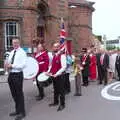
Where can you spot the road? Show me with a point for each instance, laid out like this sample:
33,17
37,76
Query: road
90,106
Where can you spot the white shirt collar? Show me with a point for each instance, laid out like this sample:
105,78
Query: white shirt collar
17,49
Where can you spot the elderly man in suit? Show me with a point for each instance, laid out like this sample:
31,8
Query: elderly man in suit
117,65
104,63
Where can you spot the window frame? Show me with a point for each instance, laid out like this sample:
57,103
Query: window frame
7,35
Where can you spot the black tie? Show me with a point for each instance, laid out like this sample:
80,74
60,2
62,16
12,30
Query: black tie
13,57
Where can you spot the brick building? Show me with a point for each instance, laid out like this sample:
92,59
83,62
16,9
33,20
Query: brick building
39,20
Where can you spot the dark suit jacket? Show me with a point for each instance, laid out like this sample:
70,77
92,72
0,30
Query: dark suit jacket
98,59
105,61
117,62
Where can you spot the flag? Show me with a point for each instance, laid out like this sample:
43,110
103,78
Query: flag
62,36
62,32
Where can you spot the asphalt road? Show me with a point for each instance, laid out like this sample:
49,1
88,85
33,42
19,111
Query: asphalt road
90,106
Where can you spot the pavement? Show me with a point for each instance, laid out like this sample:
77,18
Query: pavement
90,106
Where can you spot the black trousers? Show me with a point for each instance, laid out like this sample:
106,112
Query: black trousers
15,81
40,88
118,71
84,78
78,84
59,89
67,82
103,75
100,74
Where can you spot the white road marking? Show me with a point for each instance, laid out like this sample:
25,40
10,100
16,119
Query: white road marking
114,86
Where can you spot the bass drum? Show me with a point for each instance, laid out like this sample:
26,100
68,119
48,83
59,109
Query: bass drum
44,80
31,68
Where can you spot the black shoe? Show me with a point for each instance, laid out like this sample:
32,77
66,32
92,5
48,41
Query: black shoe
85,85
100,83
61,107
67,92
77,94
13,114
20,117
39,98
53,104
105,84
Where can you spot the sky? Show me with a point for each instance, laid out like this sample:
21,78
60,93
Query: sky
106,18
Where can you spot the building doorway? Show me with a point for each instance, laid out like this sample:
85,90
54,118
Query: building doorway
43,13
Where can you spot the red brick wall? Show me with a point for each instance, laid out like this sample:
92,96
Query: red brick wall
11,3
80,19
29,27
80,27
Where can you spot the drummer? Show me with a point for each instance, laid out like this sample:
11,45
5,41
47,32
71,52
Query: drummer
57,71
43,59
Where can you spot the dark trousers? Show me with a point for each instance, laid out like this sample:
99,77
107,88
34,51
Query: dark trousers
100,74
67,82
103,75
15,81
85,79
40,88
78,84
59,91
118,71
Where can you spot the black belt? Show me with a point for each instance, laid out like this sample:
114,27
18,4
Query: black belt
16,73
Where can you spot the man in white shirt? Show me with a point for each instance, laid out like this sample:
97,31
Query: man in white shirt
16,63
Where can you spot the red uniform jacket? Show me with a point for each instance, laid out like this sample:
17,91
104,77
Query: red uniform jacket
56,64
43,61
92,67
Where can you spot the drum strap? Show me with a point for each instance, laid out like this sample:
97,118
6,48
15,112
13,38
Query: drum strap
39,54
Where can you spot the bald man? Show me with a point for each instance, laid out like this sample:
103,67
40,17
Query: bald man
57,72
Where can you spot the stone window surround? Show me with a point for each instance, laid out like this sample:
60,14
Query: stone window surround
5,19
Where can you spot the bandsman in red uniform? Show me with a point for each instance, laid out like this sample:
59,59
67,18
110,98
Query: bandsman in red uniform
57,71
43,60
85,61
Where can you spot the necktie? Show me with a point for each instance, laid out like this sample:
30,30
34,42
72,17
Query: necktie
101,59
13,57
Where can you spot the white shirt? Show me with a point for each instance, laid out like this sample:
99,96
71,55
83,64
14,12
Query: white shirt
50,57
19,60
102,58
63,65
112,61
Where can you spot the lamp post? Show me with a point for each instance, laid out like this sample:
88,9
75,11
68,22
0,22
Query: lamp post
104,39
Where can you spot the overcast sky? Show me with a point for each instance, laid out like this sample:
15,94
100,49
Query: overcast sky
106,18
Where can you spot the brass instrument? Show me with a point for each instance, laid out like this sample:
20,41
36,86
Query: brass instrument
76,67
83,62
